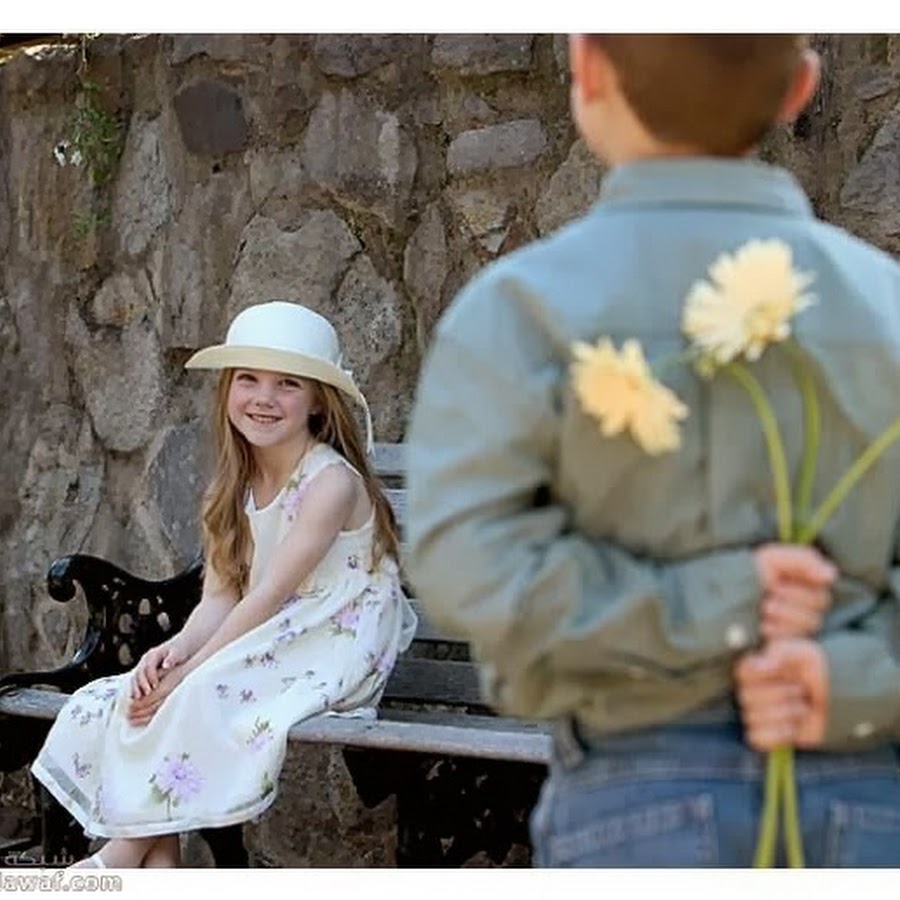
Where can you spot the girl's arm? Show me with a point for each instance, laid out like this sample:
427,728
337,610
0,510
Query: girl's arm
215,604
327,506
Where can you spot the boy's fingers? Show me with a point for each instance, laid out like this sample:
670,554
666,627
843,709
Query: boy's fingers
754,668
778,715
795,562
798,593
769,694
769,737
781,620
807,564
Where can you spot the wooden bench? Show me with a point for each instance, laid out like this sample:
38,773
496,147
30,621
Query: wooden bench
431,718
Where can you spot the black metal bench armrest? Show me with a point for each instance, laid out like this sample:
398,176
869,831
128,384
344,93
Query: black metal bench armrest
126,616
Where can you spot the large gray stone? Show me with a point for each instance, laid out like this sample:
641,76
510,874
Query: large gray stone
459,109
305,265
873,185
60,491
191,274
277,179
509,145
482,54
121,376
211,118
366,312
351,55
874,82
361,154
561,56
318,818
177,476
486,216
220,47
122,298
572,189
425,263
143,200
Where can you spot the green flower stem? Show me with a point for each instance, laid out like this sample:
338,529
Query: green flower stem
768,825
774,444
848,481
812,429
779,785
792,837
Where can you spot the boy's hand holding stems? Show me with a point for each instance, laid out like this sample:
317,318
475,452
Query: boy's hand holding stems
782,688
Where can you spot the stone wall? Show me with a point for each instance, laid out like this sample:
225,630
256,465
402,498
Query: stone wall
367,176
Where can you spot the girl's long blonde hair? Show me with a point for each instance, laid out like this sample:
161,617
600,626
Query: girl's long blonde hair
227,542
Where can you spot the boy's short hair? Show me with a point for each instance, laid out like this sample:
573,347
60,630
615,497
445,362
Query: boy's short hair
719,92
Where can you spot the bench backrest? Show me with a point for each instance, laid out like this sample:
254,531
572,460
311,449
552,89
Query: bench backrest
436,668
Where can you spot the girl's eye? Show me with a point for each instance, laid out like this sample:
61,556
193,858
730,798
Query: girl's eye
245,377
290,383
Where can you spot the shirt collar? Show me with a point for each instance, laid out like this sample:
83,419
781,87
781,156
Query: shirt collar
705,181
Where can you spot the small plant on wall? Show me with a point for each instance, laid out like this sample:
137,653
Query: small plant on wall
93,139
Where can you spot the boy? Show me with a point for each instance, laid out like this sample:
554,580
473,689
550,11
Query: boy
622,594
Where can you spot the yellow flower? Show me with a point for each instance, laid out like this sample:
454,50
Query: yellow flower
618,389
748,302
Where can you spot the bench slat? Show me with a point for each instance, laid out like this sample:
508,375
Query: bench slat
397,498
434,681
453,734
390,460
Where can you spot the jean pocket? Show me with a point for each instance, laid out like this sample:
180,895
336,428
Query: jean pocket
861,835
675,832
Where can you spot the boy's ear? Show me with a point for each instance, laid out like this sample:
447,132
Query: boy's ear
590,68
802,87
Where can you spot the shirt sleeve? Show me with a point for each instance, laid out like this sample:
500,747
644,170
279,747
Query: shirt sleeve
864,677
495,558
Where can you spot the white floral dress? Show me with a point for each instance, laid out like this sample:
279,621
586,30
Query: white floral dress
211,755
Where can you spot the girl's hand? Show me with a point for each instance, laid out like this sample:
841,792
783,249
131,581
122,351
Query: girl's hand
142,709
796,583
147,673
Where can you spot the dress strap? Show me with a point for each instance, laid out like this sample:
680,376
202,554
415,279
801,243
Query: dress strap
320,457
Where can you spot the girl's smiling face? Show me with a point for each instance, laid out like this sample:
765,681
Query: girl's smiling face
271,409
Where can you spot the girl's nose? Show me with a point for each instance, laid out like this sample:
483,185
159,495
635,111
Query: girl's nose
265,393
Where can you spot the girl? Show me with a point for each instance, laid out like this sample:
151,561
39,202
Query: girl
301,613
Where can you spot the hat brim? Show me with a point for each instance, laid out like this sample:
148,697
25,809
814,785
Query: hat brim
223,356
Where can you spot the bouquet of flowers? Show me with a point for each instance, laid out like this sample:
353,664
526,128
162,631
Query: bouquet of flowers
746,304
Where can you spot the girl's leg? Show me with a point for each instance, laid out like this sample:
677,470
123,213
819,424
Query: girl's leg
120,853
164,854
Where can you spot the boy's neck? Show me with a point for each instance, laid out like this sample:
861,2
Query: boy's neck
647,147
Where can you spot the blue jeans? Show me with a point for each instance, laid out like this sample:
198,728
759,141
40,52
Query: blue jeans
691,795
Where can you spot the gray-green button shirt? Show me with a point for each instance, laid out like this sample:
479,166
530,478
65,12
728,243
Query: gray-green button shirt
593,579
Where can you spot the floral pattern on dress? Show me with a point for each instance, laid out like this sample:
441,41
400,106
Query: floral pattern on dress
293,496
82,769
345,620
175,781
261,736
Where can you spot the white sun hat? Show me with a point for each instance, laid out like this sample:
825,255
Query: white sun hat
279,336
